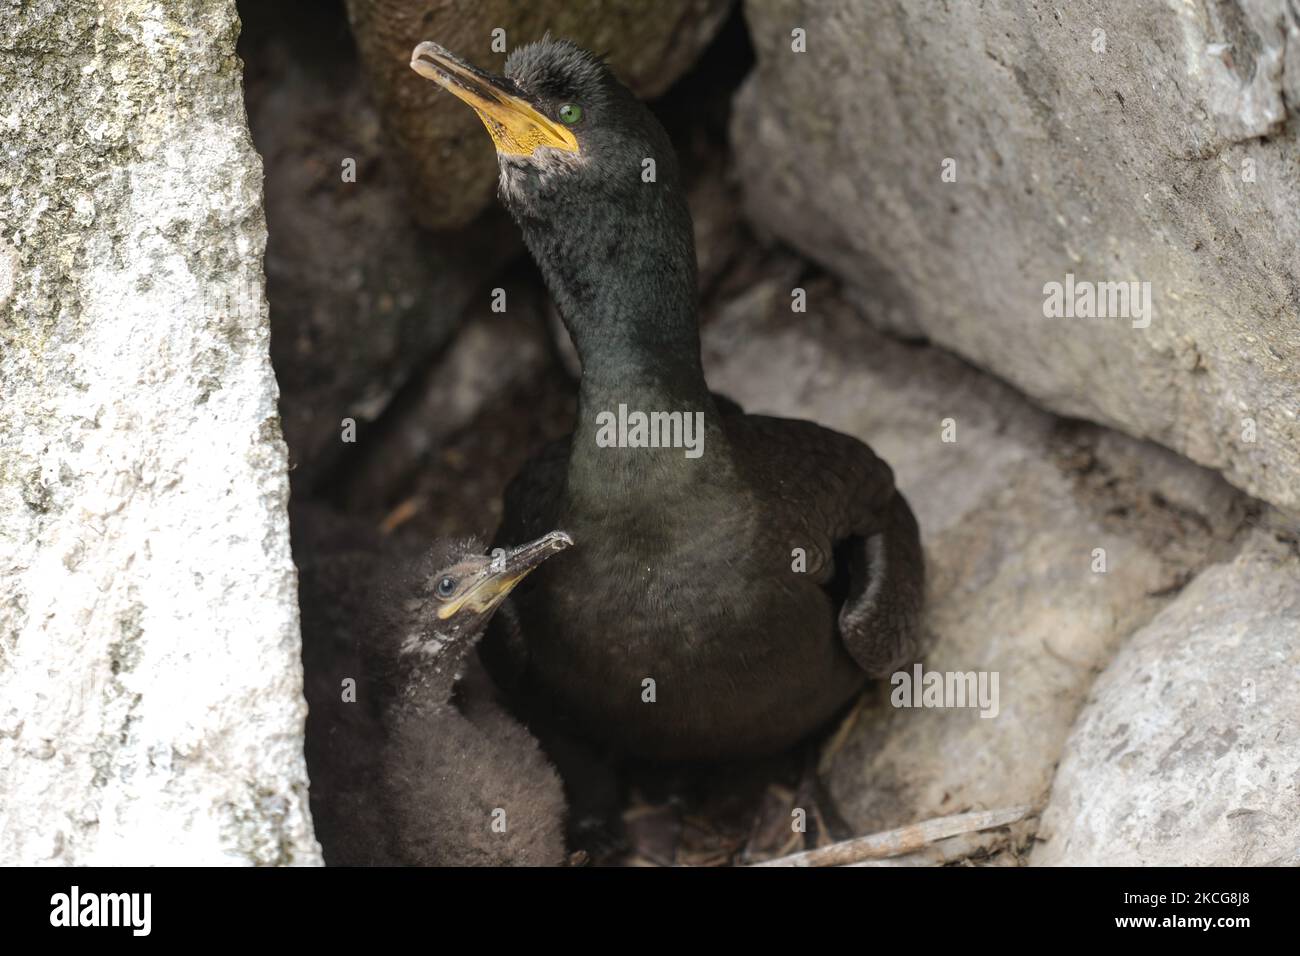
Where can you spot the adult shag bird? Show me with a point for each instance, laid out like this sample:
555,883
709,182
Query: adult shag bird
400,775
717,606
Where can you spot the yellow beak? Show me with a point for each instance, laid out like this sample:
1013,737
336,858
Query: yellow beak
499,578
516,127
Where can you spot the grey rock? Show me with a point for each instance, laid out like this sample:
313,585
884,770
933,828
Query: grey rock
1167,158
151,706
1188,752
1010,514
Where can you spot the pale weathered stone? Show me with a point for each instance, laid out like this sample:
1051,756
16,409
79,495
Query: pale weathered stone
1122,140
1188,752
151,705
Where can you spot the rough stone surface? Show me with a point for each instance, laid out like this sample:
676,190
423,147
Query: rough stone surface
361,298
449,159
151,706
1167,158
1010,514
1188,752
489,357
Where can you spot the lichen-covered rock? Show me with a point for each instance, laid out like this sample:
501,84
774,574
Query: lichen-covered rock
1122,140
1188,752
450,160
151,705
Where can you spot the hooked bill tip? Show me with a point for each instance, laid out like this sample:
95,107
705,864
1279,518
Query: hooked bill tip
425,60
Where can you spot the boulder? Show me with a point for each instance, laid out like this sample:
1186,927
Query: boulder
151,707
1186,753
954,161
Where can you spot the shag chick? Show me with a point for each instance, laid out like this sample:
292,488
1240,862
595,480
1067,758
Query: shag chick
399,775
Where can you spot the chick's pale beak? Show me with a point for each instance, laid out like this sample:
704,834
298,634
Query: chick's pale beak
515,126
507,569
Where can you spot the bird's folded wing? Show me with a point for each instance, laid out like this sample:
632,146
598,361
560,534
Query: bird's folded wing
833,496
820,486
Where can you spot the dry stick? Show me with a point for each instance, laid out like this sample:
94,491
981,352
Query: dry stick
952,850
908,839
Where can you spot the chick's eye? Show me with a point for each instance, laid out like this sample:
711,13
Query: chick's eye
446,586
570,113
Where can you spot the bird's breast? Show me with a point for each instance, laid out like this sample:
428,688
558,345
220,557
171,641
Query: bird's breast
685,642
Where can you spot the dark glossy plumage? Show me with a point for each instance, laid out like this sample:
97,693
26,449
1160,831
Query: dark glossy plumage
748,655
686,572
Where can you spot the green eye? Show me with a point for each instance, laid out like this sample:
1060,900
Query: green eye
570,113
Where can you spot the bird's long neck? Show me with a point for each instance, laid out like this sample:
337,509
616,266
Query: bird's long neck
639,346
624,278
625,286
424,680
